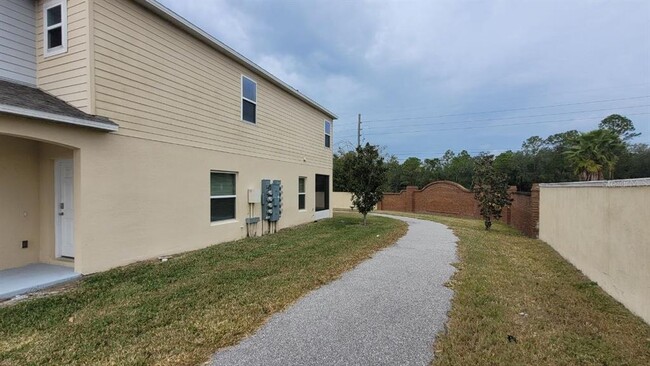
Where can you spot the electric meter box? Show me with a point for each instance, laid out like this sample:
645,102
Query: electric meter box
271,197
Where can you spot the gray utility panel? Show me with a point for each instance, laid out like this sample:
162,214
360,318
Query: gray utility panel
271,200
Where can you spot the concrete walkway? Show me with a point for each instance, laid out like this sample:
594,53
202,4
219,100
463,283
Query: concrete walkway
33,277
386,311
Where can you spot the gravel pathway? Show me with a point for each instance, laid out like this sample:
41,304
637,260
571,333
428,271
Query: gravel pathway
386,311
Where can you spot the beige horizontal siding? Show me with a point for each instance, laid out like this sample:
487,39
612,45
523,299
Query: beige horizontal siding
66,75
159,83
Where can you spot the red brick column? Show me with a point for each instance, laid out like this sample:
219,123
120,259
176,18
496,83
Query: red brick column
508,210
534,210
410,198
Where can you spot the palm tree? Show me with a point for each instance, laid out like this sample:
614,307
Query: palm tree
594,153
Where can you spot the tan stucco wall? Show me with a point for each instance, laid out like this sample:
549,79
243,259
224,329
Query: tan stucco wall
47,154
19,205
604,232
136,199
27,201
342,200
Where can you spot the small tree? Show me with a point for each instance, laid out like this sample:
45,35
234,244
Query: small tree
368,175
490,189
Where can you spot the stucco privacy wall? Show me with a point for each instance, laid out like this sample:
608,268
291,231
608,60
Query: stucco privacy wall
160,83
341,200
602,228
138,199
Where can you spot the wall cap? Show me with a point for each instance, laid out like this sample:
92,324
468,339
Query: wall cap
637,182
447,183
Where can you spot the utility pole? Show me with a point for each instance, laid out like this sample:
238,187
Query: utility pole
359,131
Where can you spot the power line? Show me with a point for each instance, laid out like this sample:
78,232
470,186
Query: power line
508,118
442,152
489,126
507,110
396,108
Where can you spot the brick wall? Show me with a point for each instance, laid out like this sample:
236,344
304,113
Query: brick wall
441,197
446,198
449,198
523,213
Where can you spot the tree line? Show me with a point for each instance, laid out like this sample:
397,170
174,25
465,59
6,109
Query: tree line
603,153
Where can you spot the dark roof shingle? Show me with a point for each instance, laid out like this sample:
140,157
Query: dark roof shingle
33,99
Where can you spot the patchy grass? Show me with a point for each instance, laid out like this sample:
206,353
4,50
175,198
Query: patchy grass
508,284
181,311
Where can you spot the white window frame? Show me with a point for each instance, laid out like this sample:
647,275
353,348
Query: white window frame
328,134
47,52
234,218
302,193
248,100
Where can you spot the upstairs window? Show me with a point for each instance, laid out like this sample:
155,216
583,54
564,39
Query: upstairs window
55,27
328,134
248,100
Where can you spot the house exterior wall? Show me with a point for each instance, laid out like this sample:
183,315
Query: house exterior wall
18,41
161,84
143,191
137,199
27,196
603,230
48,153
19,214
68,75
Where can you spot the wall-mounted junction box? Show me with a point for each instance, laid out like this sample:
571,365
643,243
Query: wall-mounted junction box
252,220
254,195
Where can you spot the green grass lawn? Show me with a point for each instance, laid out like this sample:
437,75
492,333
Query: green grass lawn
181,311
508,284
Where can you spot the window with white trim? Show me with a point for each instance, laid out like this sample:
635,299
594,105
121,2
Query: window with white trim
328,134
222,196
301,193
248,100
55,27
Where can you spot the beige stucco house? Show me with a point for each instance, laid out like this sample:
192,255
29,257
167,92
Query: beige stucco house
128,133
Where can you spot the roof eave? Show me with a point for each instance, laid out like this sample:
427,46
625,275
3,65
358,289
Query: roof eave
182,23
31,113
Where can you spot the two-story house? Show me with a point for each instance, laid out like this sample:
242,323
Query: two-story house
127,133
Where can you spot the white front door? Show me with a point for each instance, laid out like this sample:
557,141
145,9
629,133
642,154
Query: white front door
64,208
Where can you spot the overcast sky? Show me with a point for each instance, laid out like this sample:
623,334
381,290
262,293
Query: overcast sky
428,76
